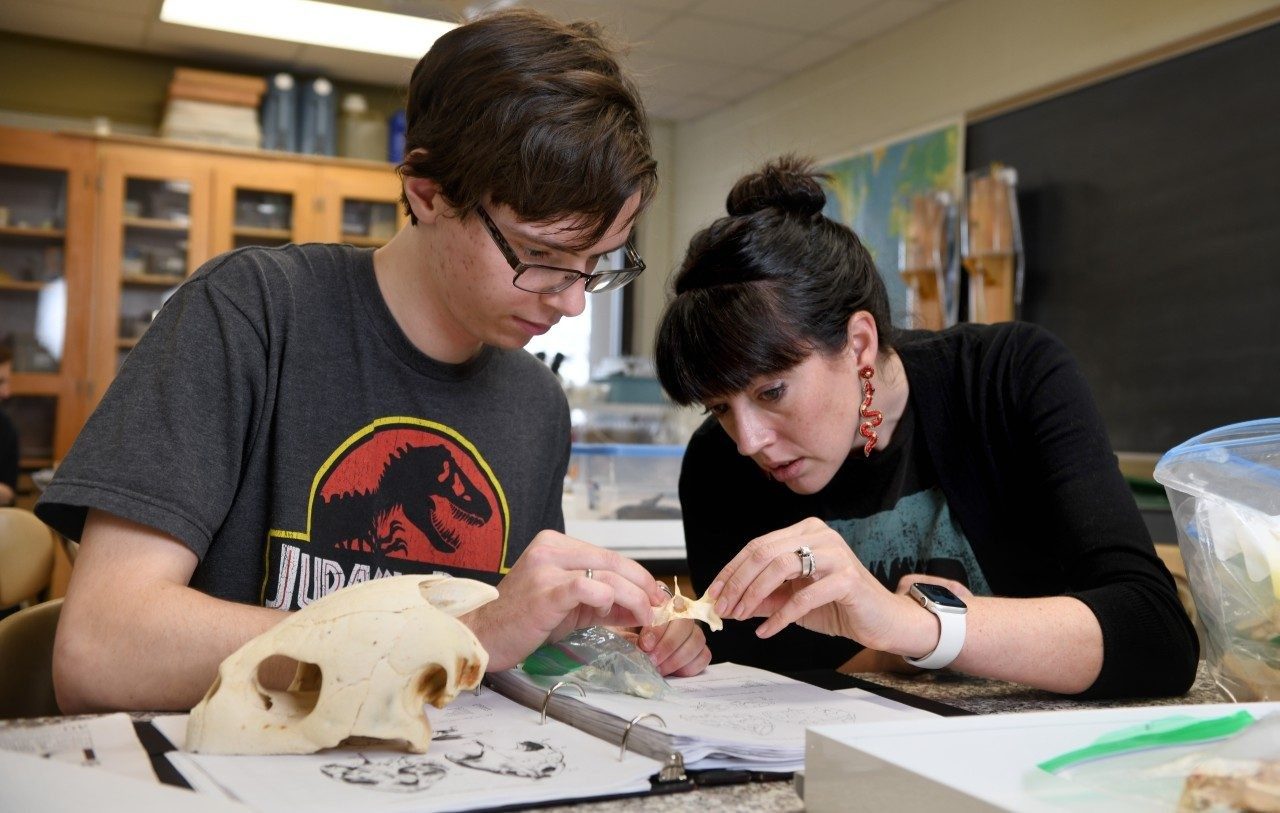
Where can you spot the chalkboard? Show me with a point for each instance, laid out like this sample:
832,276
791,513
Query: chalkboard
1151,217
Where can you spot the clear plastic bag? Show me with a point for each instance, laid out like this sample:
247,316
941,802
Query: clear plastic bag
596,658
1224,490
1153,775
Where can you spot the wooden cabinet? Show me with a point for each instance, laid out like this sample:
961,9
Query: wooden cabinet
95,234
166,208
355,207
46,247
153,232
262,203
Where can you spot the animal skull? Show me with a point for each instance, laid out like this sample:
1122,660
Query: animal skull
368,657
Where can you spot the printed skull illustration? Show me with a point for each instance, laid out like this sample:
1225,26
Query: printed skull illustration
396,775
531,760
369,656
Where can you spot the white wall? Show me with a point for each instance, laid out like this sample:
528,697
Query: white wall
965,55
656,243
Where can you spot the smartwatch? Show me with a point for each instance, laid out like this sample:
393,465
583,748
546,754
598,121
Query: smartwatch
950,611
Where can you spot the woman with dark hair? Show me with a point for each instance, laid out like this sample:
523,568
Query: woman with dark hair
948,497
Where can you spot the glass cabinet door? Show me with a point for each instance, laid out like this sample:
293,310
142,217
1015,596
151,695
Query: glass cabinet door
45,250
358,206
154,234
261,203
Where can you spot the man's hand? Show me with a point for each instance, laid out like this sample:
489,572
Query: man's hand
548,594
678,648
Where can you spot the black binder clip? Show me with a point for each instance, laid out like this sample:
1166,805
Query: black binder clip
673,771
671,777
547,699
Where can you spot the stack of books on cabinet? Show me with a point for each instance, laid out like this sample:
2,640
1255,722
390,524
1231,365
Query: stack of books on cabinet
214,108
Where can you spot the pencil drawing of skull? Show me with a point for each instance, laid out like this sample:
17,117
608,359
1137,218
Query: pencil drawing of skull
394,775
531,760
369,656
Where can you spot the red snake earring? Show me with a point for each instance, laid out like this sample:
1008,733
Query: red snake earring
871,418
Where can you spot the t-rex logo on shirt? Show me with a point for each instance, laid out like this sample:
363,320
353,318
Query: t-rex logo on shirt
400,495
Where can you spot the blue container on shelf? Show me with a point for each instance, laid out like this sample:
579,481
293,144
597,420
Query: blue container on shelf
395,137
280,114
317,132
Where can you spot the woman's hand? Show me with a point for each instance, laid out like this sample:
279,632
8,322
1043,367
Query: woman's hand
558,585
874,660
840,597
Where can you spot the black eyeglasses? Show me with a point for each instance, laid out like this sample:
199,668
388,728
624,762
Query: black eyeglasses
549,279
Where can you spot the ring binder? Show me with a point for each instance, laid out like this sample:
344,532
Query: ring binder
626,732
547,699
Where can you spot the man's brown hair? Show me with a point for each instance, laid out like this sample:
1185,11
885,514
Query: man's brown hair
532,113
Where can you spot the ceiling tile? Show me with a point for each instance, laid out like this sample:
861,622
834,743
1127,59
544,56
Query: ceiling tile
180,39
743,82
676,77
683,108
127,8
808,53
56,21
878,19
335,63
660,5
721,42
689,56
623,20
808,16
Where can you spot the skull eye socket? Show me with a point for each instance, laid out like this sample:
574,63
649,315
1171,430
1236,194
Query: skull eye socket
302,694
431,685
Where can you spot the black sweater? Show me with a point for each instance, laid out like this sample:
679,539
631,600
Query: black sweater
1023,458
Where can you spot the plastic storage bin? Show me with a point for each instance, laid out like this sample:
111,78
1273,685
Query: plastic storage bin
1224,490
623,481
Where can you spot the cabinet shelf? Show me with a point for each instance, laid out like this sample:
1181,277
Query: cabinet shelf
151,280
263,234
156,224
22,285
33,463
126,344
32,234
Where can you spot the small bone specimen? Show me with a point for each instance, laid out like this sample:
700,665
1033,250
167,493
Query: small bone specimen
679,606
1233,785
369,656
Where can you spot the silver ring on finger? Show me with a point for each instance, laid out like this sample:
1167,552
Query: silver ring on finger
808,564
591,574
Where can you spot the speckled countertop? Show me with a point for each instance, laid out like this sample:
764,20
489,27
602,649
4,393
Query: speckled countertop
982,696
975,695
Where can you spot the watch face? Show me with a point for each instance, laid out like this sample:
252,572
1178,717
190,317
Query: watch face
939,595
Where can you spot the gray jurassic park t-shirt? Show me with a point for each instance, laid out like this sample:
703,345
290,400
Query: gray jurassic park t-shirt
276,421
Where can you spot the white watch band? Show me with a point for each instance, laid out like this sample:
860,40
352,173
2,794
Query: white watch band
949,642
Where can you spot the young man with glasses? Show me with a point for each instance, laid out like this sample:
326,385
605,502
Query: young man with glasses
304,418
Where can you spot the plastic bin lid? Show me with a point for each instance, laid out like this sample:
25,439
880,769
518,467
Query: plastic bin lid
1239,463
628,449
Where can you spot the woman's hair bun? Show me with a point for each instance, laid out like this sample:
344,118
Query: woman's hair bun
787,183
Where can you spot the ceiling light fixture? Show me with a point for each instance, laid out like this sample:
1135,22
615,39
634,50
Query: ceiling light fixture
313,23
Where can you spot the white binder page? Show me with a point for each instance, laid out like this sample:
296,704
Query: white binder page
486,751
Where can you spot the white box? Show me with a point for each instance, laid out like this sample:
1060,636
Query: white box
981,763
